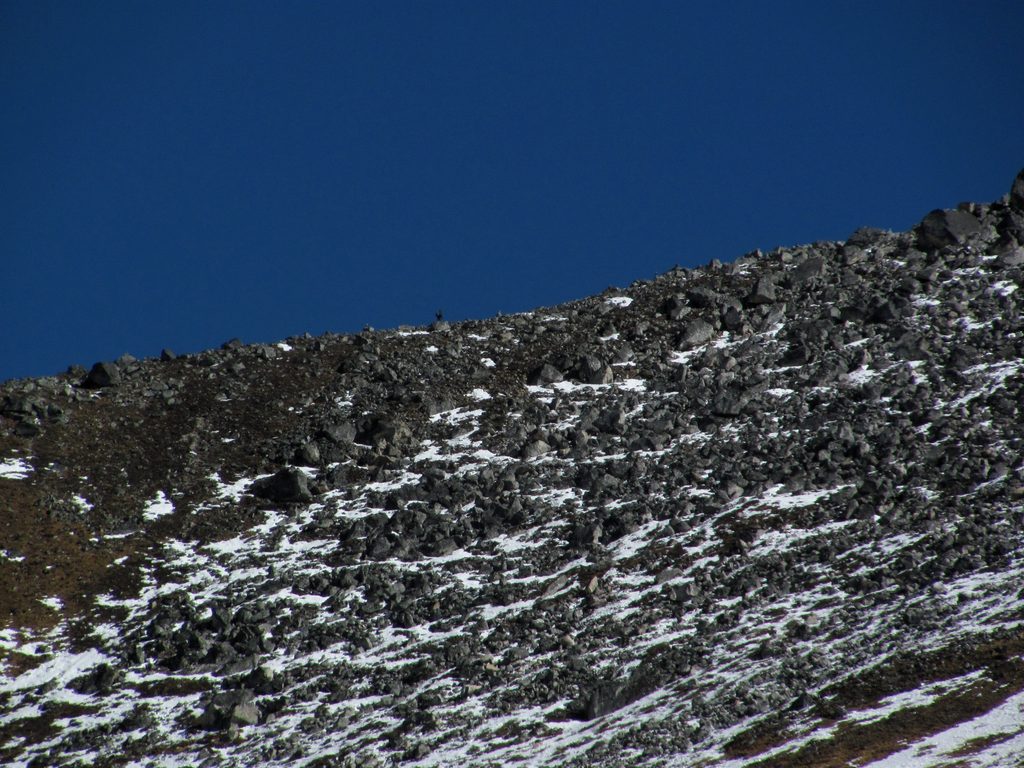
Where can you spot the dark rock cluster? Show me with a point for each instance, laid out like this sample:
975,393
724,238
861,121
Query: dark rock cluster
693,519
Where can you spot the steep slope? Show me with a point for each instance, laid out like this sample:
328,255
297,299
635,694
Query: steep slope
766,513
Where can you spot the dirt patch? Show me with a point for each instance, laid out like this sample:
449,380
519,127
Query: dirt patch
874,741
36,729
974,746
1001,659
48,558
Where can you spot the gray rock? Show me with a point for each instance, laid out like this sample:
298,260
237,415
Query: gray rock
592,370
384,434
728,404
28,427
865,236
287,485
807,270
667,575
697,332
245,714
342,433
732,318
544,374
1010,259
307,455
762,293
702,297
230,708
535,448
102,375
1017,192
675,308
946,227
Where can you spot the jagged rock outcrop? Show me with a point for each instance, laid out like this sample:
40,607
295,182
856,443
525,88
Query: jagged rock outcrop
767,513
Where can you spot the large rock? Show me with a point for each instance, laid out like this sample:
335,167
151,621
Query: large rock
728,404
762,293
534,448
102,375
341,433
544,374
385,435
941,228
864,237
230,708
675,307
288,485
1017,192
703,297
807,270
697,332
591,370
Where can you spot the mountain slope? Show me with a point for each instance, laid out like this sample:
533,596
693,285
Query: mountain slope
767,513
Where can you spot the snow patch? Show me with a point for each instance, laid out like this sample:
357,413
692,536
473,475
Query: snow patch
15,469
159,507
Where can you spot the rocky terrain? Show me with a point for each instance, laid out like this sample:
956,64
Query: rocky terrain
764,513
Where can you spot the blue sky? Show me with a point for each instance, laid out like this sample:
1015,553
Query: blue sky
179,174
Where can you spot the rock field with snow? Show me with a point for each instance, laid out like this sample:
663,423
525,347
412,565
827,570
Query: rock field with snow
760,514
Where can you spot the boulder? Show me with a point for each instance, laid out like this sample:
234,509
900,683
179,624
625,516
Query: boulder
675,307
102,375
307,455
728,404
697,332
762,293
535,448
941,228
230,708
1017,192
385,434
342,433
863,237
702,297
288,485
544,374
807,270
592,370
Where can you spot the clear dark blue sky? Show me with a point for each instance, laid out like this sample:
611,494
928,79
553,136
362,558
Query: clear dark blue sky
181,173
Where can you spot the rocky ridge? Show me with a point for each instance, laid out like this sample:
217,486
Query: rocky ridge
764,513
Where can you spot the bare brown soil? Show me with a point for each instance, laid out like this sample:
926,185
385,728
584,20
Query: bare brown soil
850,744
